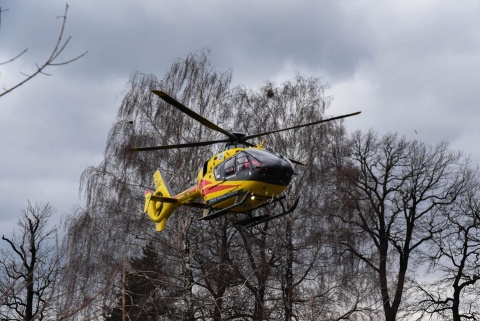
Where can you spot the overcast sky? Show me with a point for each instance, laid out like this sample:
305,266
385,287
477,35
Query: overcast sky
410,66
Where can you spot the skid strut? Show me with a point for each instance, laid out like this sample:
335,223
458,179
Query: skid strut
255,220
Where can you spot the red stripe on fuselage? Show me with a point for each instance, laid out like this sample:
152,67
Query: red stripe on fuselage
215,188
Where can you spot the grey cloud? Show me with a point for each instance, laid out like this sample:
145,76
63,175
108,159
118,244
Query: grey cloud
407,66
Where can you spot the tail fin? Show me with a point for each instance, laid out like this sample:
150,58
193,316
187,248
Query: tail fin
160,205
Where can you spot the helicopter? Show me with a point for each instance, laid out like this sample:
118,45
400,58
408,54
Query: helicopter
242,178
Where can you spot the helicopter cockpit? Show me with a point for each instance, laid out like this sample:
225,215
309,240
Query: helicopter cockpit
257,165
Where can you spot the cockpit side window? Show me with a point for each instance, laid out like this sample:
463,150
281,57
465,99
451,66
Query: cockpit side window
218,171
230,166
242,163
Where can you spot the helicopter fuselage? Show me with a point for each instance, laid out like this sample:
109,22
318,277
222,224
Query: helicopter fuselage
236,180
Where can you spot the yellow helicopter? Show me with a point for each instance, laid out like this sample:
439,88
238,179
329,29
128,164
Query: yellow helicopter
241,179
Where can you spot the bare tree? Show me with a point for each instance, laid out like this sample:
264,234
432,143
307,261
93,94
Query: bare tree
29,266
451,291
51,61
396,189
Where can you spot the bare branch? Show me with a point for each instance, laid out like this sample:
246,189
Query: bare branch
14,58
51,61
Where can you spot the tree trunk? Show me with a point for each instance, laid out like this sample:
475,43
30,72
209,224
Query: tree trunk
288,285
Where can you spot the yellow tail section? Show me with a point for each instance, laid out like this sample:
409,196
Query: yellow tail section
160,205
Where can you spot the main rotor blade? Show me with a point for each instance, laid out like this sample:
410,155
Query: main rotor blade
299,126
193,114
197,144
296,162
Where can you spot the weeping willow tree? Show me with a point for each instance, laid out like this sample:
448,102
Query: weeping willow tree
212,270
112,224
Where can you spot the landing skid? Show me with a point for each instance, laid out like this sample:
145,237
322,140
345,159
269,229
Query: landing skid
240,199
255,220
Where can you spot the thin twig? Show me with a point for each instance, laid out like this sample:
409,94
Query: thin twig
51,60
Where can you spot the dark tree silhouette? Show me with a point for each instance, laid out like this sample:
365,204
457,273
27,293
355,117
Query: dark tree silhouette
396,189
451,291
29,266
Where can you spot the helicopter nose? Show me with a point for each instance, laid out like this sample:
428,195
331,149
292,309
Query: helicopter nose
278,171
